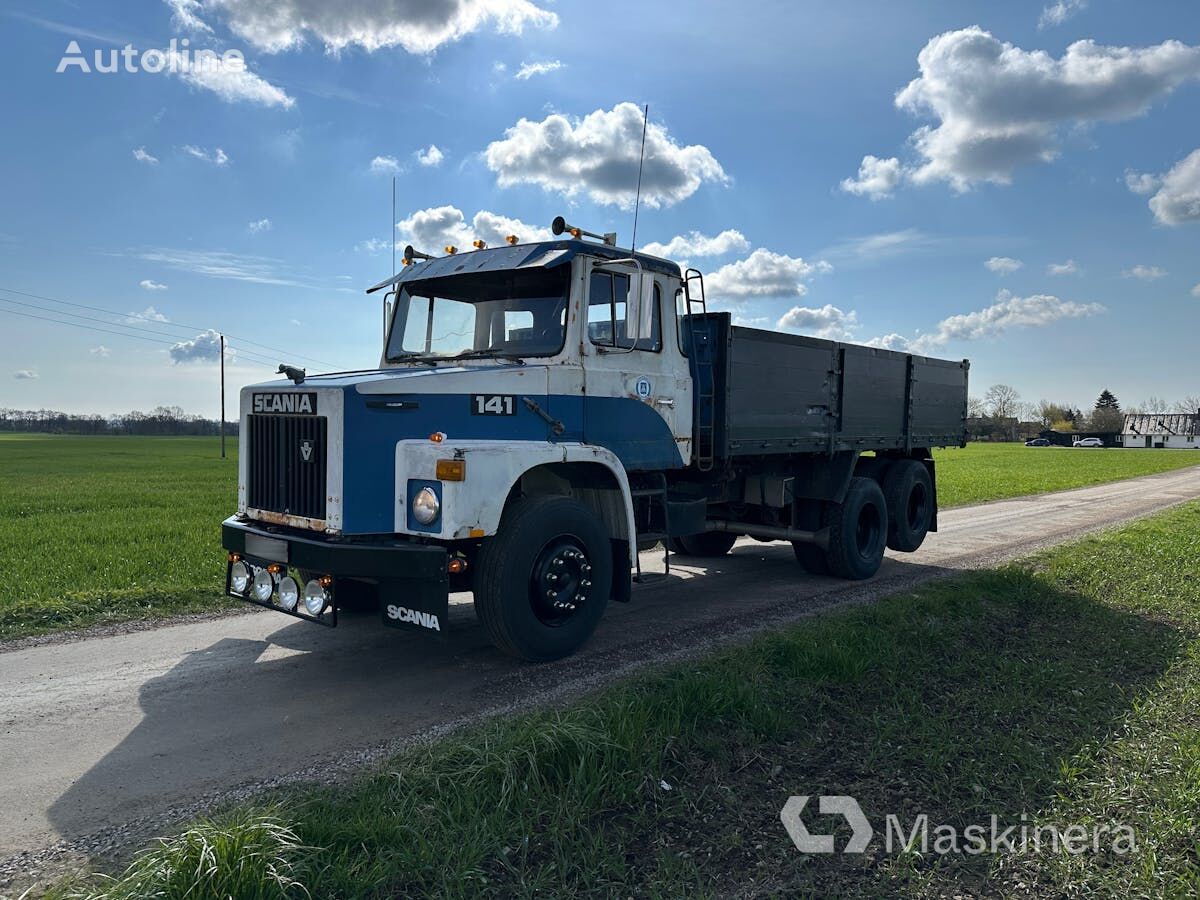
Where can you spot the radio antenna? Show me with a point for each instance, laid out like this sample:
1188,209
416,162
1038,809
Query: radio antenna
392,227
641,161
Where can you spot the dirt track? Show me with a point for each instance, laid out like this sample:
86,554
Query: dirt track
100,733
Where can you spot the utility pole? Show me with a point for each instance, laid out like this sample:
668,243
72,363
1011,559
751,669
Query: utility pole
222,396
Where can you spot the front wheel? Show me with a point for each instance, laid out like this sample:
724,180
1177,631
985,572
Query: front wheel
543,581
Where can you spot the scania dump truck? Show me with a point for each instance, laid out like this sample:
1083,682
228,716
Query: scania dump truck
543,410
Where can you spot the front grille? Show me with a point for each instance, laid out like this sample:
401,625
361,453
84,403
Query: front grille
281,479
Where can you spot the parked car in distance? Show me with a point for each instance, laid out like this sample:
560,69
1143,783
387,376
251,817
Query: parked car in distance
1088,442
1037,442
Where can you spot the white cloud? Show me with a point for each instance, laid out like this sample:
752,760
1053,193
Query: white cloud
1007,312
149,314
100,351
1058,12
259,226
204,347
877,178
385,165
1145,273
429,230
1196,291
185,14
694,243
885,245
431,156
417,26
229,79
141,155
825,322
598,155
1178,197
217,157
373,245
529,69
1141,182
25,374
1070,267
997,107
223,264
763,274
149,284
1003,265
890,342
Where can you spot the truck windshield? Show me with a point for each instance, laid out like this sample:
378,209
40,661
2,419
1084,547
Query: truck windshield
504,314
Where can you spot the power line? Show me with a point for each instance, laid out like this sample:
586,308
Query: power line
254,358
176,325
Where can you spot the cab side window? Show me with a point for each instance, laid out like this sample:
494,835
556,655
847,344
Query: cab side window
608,302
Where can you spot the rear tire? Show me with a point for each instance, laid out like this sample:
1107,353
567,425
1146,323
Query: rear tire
707,543
858,531
543,581
908,491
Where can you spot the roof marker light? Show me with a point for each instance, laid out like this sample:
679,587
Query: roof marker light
451,249
513,239
479,244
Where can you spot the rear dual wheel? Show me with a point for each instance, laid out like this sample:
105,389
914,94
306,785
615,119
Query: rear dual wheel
858,528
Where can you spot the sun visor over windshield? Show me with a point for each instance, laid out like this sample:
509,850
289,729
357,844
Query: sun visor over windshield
501,258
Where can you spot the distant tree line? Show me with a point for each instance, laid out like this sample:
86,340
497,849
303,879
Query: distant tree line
1001,415
162,420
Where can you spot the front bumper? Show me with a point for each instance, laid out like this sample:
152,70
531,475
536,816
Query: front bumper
411,578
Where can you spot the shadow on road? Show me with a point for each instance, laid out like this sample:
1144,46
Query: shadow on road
244,710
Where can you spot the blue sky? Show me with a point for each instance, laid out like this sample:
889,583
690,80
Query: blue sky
258,202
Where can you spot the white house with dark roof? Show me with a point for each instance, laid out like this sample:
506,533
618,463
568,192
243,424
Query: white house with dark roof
1170,431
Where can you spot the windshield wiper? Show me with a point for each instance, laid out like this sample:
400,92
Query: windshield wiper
483,354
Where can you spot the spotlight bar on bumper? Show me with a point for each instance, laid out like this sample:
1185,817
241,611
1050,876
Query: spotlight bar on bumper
278,573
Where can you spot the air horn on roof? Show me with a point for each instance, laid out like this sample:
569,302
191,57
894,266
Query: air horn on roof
410,254
559,226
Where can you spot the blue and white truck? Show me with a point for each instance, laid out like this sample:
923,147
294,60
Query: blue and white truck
543,410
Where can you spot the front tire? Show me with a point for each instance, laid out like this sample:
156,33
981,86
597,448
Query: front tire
858,528
543,581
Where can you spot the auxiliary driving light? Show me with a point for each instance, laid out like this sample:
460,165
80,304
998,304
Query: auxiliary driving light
316,598
425,506
289,593
239,577
264,585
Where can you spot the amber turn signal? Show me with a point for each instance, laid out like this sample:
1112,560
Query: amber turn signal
451,469
456,565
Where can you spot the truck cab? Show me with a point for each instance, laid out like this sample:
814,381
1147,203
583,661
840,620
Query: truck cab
538,412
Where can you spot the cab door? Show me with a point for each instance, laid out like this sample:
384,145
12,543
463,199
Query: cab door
637,390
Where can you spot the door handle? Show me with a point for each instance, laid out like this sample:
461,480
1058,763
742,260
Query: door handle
665,401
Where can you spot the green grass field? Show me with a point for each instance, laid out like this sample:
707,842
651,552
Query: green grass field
103,529
1065,689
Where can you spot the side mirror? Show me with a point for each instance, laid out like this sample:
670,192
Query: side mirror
639,315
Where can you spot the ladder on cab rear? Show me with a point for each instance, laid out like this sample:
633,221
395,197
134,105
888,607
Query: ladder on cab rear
703,379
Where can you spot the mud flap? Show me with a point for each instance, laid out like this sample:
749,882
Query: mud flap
415,605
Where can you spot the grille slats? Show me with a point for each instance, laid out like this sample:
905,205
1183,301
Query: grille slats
281,480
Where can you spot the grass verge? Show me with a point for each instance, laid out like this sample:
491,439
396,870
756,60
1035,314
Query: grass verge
1065,689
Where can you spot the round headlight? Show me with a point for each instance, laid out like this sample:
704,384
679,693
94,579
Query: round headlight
239,577
289,593
425,506
264,585
315,598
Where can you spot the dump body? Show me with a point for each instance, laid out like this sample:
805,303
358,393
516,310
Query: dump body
781,393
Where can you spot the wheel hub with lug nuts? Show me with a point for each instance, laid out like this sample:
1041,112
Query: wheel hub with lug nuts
561,581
